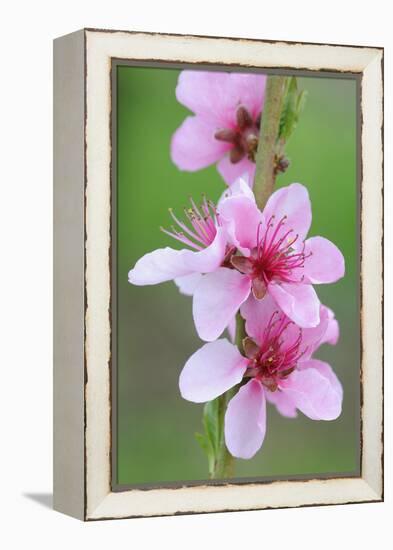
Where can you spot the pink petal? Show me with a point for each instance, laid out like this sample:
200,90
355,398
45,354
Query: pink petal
241,187
207,94
158,266
194,146
325,264
283,402
211,257
216,95
250,90
332,333
230,172
257,314
216,301
291,201
311,338
325,370
212,370
245,420
166,264
188,283
315,390
241,217
231,328
299,302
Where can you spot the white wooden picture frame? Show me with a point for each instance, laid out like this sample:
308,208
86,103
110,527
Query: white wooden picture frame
82,334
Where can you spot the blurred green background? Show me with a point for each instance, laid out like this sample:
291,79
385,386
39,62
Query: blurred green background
155,332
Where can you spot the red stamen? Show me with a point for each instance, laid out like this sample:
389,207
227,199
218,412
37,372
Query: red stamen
243,138
275,359
203,221
274,257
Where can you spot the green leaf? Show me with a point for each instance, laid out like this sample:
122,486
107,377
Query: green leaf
211,423
301,101
207,448
294,102
210,440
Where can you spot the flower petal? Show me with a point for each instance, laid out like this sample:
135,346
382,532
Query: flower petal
283,402
299,302
257,314
325,370
212,370
207,94
231,328
245,420
241,218
194,146
158,266
211,257
217,299
166,264
326,264
188,283
311,338
332,333
315,390
250,90
230,172
241,187
216,95
292,201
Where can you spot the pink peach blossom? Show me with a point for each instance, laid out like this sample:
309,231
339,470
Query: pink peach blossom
240,251
208,249
277,366
272,258
225,126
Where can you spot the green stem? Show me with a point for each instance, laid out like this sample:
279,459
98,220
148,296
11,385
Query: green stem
263,187
225,462
265,174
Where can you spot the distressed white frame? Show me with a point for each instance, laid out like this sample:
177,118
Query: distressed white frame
99,47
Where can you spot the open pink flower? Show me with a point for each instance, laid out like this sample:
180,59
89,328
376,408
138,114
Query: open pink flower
209,248
272,258
225,127
240,251
277,366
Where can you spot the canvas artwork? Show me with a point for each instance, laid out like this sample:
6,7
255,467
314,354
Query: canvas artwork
236,276
218,274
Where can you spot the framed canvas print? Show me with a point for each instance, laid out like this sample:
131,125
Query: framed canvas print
218,274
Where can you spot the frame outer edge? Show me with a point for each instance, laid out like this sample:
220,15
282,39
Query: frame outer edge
101,502
68,298
372,262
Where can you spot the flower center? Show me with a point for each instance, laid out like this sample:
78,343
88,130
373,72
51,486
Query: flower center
201,229
272,361
274,258
243,137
